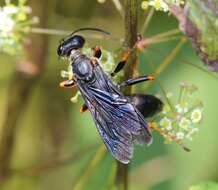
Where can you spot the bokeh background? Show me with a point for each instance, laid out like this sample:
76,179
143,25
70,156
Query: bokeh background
54,144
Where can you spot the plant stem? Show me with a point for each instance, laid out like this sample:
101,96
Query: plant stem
147,21
99,155
130,68
119,7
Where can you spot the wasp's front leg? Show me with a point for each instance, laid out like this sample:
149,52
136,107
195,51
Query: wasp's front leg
96,51
83,108
68,83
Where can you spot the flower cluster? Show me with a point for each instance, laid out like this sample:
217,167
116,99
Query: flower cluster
181,120
14,25
161,5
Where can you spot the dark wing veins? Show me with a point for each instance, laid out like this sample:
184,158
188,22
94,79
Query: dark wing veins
118,122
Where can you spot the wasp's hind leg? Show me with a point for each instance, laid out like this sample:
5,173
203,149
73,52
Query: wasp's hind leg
68,84
136,80
96,51
83,108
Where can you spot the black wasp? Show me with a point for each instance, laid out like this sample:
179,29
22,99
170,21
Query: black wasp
118,118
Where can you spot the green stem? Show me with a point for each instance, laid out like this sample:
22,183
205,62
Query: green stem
100,153
130,68
147,21
119,7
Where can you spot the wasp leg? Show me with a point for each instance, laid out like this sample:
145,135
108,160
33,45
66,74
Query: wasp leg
136,80
83,108
122,63
68,84
96,51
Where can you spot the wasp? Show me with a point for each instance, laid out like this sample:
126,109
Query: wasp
119,119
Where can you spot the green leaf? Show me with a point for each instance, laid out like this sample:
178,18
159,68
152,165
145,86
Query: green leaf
204,15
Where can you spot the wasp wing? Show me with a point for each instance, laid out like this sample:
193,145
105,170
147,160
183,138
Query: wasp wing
118,122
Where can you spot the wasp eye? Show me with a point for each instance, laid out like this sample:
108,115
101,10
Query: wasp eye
59,50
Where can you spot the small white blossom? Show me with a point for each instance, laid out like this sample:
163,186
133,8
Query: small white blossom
6,23
166,123
182,107
180,135
196,115
10,10
159,5
184,123
144,5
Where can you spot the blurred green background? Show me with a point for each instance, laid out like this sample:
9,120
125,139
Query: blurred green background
54,143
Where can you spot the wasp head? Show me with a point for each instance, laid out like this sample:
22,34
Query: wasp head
67,45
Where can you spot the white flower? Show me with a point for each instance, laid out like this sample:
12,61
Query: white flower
10,10
166,123
180,135
196,115
182,107
159,5
6,23
144,5
184,123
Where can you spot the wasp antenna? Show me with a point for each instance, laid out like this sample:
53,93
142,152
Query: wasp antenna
91,29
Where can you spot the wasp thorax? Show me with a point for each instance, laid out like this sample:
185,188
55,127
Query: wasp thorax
83,68
74,54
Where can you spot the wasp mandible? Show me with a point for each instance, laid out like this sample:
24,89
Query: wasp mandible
119,119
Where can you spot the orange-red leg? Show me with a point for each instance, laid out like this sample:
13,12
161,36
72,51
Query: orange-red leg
83,108
137,80
68,84
96,51
122,63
